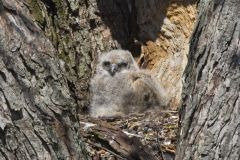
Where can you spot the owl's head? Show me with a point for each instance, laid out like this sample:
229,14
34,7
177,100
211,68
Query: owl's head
116,61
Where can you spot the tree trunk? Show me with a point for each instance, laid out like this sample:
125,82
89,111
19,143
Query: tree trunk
210,123
37,112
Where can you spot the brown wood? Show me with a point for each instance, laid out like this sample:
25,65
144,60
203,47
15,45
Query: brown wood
113,140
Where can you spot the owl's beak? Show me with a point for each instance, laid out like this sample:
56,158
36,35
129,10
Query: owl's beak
114,69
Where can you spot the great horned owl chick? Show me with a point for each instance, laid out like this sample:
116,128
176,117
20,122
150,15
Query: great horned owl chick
120,88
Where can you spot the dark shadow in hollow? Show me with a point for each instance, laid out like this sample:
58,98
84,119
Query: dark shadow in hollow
120,17
134,22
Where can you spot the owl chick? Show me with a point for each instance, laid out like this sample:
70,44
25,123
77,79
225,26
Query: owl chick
120,88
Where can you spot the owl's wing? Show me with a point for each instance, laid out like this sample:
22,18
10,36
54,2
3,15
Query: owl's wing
145,83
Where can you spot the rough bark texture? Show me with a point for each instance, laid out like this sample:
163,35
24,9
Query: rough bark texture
37,113
210,123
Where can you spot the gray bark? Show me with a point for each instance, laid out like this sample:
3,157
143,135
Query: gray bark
37,113
210,123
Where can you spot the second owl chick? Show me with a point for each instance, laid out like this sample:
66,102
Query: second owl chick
148,93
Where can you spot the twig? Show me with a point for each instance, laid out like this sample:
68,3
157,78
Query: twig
131,134
99,146
87,125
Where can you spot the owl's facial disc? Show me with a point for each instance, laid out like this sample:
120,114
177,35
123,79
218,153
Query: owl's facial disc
114,67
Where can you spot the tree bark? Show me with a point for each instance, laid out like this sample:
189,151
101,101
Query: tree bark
210,123
37,112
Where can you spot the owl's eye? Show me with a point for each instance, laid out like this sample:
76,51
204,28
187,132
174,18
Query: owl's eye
106,63
123,65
